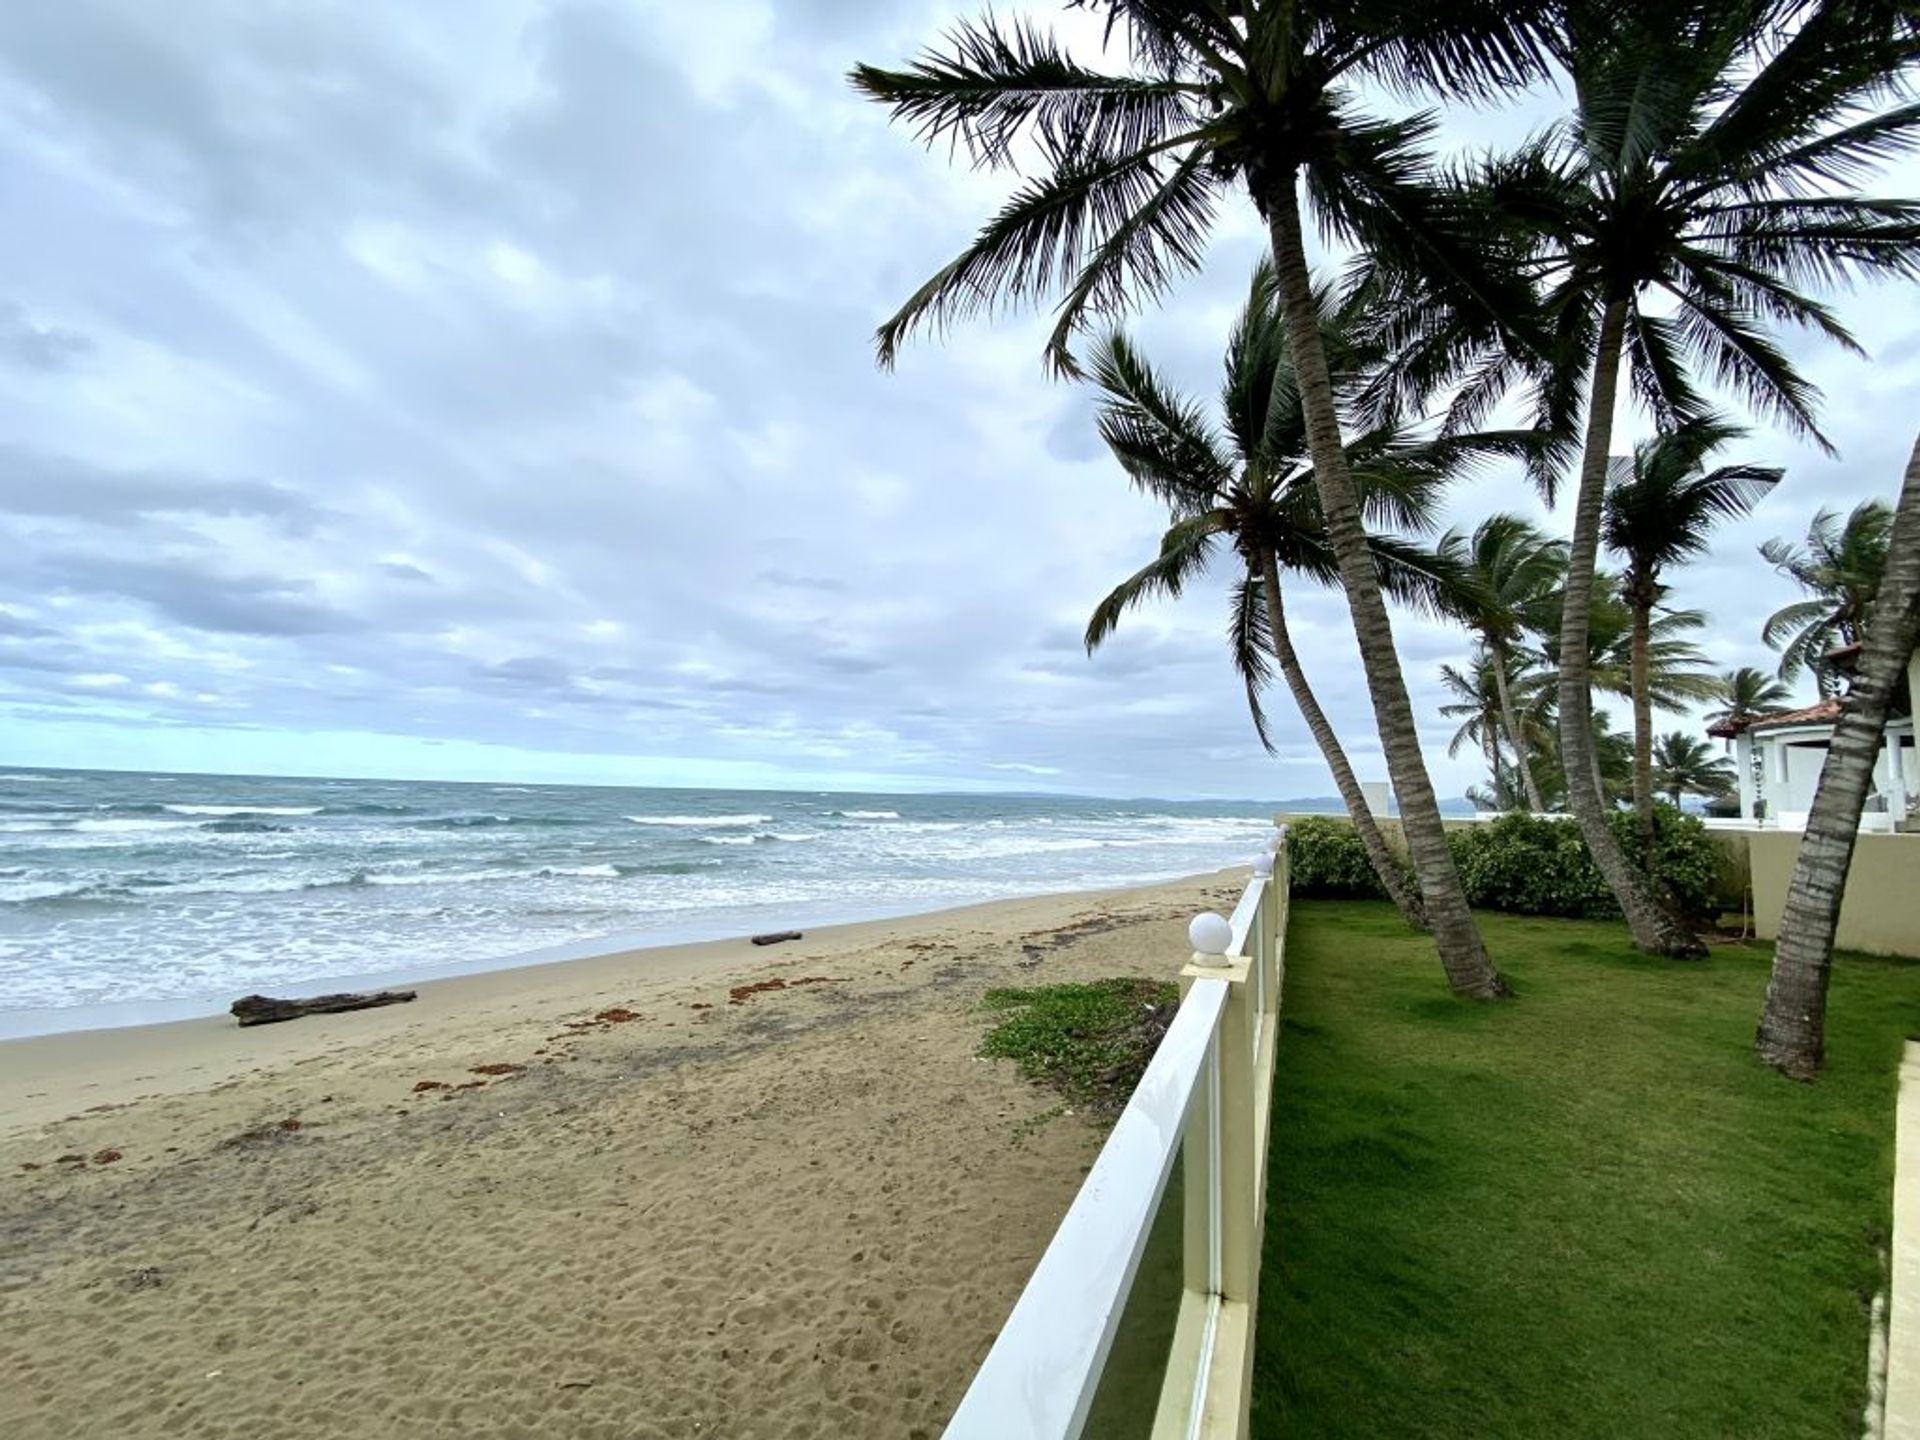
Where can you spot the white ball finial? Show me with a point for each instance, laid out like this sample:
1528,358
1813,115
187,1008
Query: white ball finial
1263,865
1209,933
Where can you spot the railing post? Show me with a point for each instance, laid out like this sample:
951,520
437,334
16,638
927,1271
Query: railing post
1223,1138
1209,1390
1200,1208
1238,1045
1281,896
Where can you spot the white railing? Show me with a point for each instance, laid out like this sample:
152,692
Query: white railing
1207,1091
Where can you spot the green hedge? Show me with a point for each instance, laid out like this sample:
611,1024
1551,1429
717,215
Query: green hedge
1328,861
1690,861
1520,863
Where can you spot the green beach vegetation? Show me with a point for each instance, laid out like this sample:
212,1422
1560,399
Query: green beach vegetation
1088,1041
1708,182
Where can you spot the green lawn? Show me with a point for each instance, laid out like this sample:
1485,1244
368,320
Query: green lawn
1588,1213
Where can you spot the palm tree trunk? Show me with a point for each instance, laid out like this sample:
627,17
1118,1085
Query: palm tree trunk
1653,929
1641,682
1511,723
1386,865
1463,955
1793,1022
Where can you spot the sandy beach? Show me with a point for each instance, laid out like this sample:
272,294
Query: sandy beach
706,1190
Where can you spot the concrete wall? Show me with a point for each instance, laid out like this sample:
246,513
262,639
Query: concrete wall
1880,913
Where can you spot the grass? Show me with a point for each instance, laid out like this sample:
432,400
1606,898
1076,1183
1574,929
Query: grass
1090,1042
1586,1214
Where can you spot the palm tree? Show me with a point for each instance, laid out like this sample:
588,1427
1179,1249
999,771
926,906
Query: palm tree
1677,676
1793,1021
1841,566
1660,512
1509,568
1479,706
1130,168
1747,693
1707,179
1686,765
1676,669
1250,485
1476,705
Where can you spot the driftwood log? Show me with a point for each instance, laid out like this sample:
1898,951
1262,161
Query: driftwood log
775,937
265,1010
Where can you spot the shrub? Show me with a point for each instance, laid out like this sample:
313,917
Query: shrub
1090,1042
1689,860
1328,862
1537,866
1531,866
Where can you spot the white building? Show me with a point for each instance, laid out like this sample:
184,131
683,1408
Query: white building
1778,758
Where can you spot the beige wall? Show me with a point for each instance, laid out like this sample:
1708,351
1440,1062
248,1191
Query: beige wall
1731,868
1880,913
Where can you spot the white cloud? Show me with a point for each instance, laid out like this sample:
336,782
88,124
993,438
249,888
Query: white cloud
360,390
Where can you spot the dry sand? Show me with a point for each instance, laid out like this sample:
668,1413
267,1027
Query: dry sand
804,1213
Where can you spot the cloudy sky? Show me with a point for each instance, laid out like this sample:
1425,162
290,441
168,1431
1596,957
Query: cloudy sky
483,388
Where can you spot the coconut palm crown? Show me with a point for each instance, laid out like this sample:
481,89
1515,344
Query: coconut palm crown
1685,764
1125,173
1840,566
1249,481
1704,185
1747,693
1127,169
1247,484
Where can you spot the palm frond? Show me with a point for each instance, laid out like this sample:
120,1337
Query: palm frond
1184,552
1375,189
1163,441
1040,241
1250,642
991,81
1747,362
1658,370
1838,57
1161,239
1790,619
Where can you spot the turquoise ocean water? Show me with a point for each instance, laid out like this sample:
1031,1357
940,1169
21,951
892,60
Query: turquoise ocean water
185,891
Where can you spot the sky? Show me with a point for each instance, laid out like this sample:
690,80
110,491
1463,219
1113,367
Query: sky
484,389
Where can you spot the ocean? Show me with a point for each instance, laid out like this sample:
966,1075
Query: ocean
153,895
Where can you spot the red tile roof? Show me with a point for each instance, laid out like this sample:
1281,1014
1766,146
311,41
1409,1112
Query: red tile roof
1827,712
